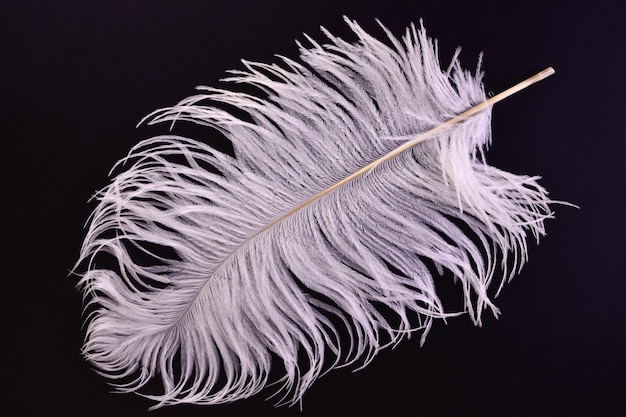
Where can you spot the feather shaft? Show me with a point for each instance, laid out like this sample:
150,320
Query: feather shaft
422,137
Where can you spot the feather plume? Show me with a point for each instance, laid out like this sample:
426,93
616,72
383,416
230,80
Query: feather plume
259,261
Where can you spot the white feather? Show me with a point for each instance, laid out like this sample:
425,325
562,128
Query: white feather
257,274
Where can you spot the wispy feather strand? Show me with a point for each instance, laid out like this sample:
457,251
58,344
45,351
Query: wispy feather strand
249,275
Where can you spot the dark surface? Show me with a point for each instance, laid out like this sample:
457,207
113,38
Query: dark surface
77,76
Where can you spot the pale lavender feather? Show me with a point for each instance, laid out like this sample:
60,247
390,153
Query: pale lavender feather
305,293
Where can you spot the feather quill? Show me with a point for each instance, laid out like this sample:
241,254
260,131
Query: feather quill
255,264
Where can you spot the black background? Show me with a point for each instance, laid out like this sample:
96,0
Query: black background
76,77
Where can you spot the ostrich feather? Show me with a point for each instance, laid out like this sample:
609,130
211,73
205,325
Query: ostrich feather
268,257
